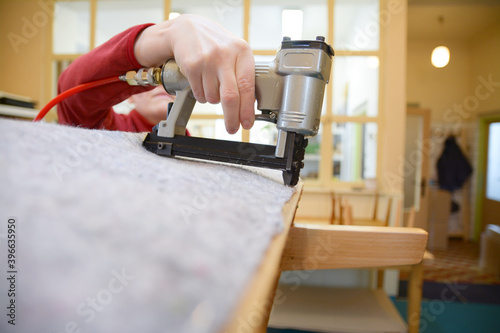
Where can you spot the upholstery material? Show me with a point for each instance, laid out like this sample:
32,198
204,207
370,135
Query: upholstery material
112,238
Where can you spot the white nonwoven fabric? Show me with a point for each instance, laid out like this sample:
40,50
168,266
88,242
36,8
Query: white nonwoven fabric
112,238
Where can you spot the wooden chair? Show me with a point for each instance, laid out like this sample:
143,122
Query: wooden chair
375,221
314,247
345,211
305,240
346,217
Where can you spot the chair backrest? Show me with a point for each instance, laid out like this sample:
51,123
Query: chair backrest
337,201
410,222
345,210
348,214
411,218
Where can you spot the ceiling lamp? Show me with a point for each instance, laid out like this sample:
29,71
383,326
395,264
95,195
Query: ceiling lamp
441,54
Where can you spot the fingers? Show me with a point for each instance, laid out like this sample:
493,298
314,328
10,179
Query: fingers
237,91
197,88
219,66
211,86
232,83
230,100
245,79
237,95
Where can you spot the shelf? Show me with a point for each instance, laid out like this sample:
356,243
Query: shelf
16,111
324,309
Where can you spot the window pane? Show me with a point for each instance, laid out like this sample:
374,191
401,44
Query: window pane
354,151
270,20
355,86
201,128
493,173
356,25
264,132
71,27
207,108
227,13
115,16
312,157
212,129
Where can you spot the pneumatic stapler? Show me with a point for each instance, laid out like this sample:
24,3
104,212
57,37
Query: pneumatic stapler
289,92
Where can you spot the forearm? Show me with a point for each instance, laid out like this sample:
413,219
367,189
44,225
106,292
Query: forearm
113,58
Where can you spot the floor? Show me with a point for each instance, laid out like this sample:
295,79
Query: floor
459,263
458,297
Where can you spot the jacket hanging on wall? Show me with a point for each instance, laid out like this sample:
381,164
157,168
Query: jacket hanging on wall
453,168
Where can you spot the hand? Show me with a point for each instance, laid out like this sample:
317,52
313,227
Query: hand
219,66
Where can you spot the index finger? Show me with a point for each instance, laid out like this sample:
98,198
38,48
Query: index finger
245,79
230,99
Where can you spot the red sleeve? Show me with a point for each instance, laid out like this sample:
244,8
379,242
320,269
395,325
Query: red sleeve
132,122
93,108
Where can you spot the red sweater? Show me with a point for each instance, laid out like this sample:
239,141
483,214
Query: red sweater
93,108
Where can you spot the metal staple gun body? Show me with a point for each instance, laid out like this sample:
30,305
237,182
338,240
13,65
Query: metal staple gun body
289,92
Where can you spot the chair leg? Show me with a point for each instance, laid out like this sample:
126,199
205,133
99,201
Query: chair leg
332,216
411,218
341,212
397,220
388,215
348,214
415,297
375,208
380,278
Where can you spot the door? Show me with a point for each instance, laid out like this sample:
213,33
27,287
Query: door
416,168
491,193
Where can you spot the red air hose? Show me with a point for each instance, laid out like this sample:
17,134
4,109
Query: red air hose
71,92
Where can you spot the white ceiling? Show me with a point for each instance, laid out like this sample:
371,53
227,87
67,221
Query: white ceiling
462,19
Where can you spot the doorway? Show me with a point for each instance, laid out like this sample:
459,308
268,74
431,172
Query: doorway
488,184
416,171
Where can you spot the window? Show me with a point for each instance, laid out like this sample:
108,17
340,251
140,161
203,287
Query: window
356,25
228,13
355,86
115,16
71,27
270,20
354,153
493,169
355,92
346,147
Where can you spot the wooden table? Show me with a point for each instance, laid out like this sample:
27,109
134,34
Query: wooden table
308,246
